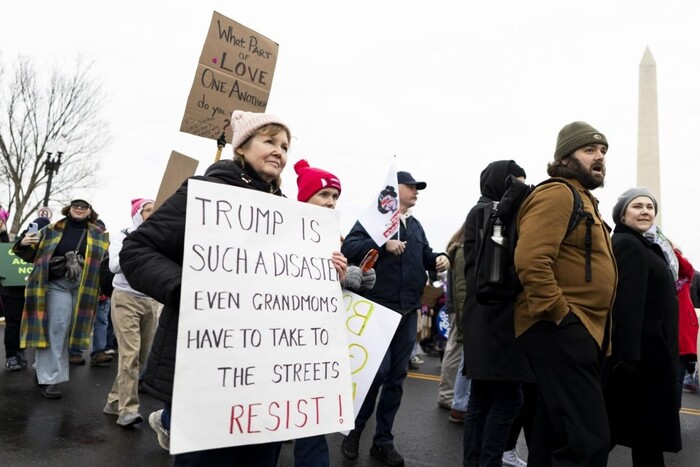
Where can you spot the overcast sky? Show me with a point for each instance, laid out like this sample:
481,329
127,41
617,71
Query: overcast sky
445,88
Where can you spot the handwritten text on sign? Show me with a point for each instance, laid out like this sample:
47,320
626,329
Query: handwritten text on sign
262,349
234,73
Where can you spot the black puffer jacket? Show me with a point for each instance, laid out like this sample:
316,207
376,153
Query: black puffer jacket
151,260
490,350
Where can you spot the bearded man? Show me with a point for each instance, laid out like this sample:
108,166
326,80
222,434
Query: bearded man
562,316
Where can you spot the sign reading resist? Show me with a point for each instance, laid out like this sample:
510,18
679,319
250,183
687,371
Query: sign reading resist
262,352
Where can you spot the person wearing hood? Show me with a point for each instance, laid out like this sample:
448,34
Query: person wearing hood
62,290
134,316
644,335
492,361
151,260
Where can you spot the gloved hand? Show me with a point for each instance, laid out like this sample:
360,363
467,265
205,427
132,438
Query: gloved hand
368,280
353,278
74,265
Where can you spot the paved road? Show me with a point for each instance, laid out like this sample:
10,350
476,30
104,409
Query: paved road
74,432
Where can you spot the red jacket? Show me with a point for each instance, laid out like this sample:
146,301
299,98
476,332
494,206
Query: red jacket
687,319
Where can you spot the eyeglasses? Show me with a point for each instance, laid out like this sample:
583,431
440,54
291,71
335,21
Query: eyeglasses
80,206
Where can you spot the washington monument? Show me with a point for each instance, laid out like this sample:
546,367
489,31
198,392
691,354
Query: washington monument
648,130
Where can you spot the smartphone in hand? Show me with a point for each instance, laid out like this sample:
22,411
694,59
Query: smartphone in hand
33,228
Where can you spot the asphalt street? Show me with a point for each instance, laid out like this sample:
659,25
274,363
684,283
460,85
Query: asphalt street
73,431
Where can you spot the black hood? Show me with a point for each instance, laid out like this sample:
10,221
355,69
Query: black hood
493,178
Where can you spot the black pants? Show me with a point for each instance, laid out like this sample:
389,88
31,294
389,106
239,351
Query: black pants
253,455
13,307
571,423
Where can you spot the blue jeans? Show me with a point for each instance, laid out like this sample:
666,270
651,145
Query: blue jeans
52,362
390,376
311,452
462,389
492,407
101,338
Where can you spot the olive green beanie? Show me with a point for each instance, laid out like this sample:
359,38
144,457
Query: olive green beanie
576,135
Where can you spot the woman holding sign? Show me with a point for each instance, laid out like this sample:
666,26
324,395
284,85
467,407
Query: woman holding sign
152,256
322,188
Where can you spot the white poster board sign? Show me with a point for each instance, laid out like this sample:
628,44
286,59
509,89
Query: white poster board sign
262,352
370,328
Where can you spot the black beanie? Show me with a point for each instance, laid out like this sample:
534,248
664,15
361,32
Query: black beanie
576,135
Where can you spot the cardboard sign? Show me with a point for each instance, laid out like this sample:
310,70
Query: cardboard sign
13,268
262,351
179,169
234,73
370,328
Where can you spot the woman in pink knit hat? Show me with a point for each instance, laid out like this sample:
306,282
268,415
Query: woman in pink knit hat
151,260
322,188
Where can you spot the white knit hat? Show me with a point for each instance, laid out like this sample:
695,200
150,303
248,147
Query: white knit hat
245,125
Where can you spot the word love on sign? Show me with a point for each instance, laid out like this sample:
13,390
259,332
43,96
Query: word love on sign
234,73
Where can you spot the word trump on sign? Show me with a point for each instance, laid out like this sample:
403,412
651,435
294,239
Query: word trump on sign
262,352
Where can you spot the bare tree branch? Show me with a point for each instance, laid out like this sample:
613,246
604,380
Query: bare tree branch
35,115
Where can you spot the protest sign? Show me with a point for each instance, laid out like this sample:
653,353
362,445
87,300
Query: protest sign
13,268
179,169
234,73
370,328
262,351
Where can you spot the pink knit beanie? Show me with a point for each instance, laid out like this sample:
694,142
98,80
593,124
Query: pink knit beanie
4,215
137,205
245,124
310,180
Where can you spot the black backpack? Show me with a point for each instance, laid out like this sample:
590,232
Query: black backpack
496,278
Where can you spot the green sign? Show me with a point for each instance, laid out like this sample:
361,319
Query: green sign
14,269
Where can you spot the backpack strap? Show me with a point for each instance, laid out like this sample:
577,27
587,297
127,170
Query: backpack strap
576,214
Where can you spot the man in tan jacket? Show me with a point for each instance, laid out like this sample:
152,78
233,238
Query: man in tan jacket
562,316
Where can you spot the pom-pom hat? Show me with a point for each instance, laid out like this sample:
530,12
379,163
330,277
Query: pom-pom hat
138,204
245,124
311,180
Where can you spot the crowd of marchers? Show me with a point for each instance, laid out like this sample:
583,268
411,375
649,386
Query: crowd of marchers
554,314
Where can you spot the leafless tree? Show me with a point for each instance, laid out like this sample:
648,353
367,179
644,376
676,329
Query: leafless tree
37,114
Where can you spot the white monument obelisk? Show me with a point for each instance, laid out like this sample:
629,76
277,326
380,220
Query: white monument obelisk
648,174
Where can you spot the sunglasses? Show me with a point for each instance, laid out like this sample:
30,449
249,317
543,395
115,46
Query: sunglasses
80,206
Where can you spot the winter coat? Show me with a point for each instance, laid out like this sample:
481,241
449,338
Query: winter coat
641,375
151,260
490,349
34,327
687,319
457,286
552,269
400,278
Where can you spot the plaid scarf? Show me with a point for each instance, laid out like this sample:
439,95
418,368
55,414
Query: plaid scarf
33,331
